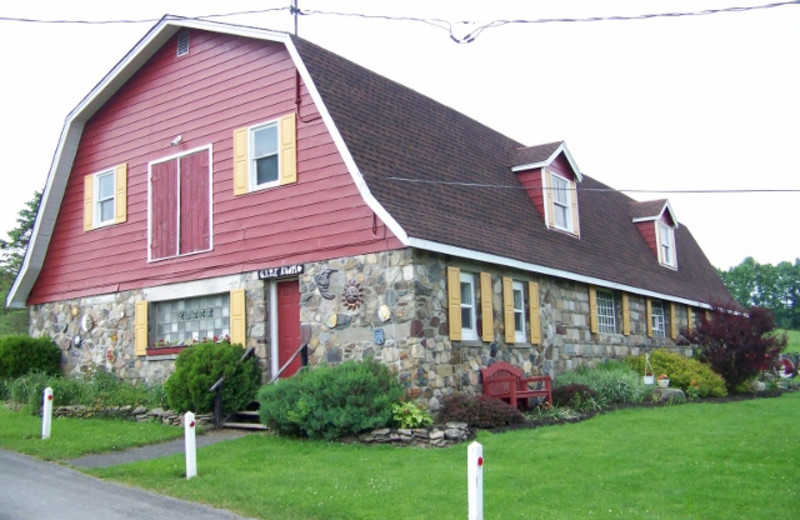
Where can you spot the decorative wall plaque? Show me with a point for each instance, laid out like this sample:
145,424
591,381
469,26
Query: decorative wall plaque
352,295
323,283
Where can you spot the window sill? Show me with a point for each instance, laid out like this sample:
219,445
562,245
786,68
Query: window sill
165,351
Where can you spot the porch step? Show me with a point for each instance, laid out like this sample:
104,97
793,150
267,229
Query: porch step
244,426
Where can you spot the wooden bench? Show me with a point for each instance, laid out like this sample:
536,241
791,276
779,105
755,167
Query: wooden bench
504,381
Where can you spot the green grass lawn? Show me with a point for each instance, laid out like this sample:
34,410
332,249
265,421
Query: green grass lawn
70,437
708,460
794,340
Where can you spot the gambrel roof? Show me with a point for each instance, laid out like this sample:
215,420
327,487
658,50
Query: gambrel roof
438,179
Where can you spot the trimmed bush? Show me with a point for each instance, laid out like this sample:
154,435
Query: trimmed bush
683,373
198,367
21,354
613,381
331,401
479,411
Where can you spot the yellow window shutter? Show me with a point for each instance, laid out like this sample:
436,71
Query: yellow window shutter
574,194
88,202
288,149
547,183
240,174
238,331
649,317
535,320
487,316
626,315
673,322
120,193
508,309
454,302
689,318
593,324
140,336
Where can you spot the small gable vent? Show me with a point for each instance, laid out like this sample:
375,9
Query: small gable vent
183,43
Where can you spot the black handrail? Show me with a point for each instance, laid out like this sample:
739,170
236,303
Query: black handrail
217,387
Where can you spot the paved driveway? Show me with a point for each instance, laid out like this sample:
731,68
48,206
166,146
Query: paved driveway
31,489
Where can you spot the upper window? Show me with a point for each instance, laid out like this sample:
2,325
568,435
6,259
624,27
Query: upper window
657,315
666,238
519,311
562,203
606,313
264,155
104,198
105,195
264,165
180,205
469,326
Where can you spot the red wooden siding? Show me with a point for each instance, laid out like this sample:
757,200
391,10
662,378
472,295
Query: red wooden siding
532,181
648,231
222,84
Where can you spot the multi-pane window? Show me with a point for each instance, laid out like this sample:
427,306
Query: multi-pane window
179,322
519,311
104,198
264,166
667,237
562,200
657,315
606,313
469,327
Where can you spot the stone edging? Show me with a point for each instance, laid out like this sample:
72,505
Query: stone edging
435,436
132,413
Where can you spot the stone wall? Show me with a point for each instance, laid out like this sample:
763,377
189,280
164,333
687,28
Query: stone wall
391,306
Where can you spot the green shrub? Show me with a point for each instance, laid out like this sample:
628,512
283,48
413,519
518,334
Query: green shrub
613,381
198,367
575,396
331,401
683,373
21,354
410,415
479,411
28,391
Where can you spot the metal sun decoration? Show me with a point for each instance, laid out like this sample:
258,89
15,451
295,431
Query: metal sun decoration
352,295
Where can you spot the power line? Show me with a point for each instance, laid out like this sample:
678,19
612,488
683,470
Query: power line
142,20
517,187
470,37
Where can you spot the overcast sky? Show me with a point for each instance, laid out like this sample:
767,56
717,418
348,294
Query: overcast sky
656,107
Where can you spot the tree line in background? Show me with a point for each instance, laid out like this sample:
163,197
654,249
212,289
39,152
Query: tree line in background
772,287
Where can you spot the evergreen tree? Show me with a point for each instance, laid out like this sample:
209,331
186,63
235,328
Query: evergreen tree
16,321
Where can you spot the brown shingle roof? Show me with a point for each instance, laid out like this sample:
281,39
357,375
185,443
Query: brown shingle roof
446,178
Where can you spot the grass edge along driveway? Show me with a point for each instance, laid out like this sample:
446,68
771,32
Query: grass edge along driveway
699,460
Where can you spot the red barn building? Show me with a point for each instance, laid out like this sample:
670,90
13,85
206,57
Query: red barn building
231,181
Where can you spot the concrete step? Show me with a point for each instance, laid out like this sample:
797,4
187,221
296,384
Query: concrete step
244,425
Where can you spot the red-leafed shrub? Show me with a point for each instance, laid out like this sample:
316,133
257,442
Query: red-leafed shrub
479,411
737,346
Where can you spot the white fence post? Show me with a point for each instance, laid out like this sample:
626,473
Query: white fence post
47,412
191,445
475,480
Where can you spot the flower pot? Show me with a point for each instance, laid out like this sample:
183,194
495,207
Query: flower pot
649,380
663,383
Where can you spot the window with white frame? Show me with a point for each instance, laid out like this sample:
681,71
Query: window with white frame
657,315
182,322
667,240
562,203
469,326
104,189
264,160
519,311
606,312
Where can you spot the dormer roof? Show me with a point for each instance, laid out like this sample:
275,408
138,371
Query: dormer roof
653,210
541,156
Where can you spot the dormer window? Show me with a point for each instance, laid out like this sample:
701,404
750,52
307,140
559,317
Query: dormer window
562,203
666,239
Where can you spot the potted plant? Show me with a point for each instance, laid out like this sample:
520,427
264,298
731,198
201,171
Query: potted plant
648,378
663,381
